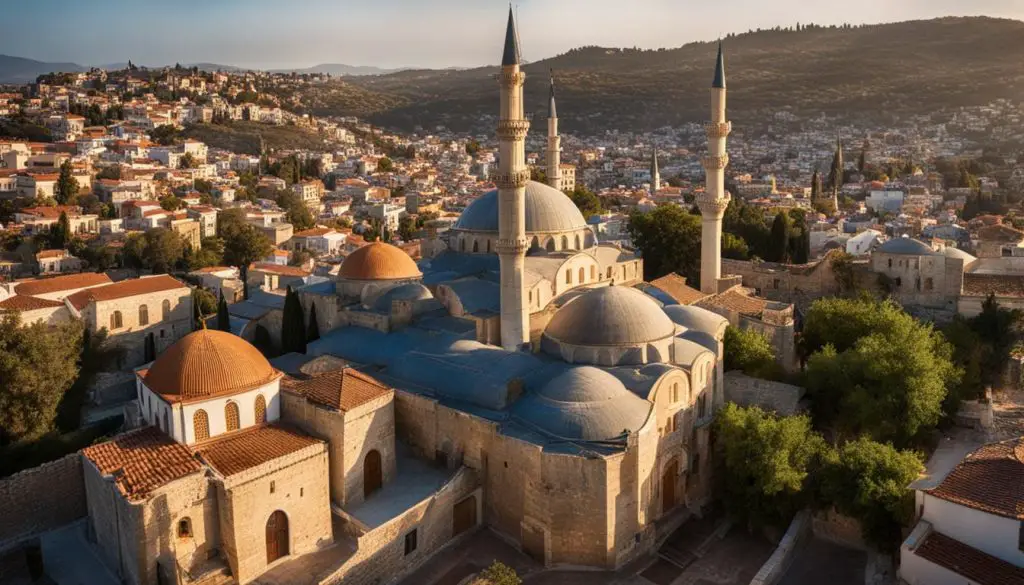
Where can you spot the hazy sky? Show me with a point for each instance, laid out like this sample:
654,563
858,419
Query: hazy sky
391,33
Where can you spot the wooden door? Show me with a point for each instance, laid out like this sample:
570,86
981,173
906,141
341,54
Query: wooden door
464,516
668,487
372,473
277,536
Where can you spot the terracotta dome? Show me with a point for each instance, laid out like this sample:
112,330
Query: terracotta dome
208,363
379,261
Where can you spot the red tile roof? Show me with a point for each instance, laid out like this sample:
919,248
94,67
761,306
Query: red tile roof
735,300
142,461
236,452
25,303
675,286
1003,285
279,269
990,479
343,389
124,289
969,562
41,286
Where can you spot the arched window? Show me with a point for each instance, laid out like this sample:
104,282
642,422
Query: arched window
583,275
577,241
116,321
201,425
143,315
535,245
166,309
231,416
550,245
565,242
568,277
260,409
185,527
675,391
462,244
593,272
488,246
609,272
476,246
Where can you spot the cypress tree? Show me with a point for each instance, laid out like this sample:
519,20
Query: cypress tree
778,241
313,331
223,319
149,348
293,330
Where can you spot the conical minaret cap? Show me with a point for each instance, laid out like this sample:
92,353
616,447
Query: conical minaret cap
511,54
719,82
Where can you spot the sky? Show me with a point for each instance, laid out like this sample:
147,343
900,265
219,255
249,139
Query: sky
270,34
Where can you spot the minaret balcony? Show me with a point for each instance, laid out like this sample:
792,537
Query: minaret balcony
715,163
712,205
512,180
514,246
509,78
513,129
717,129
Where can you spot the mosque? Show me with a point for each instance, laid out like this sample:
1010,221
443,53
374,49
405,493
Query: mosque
515,380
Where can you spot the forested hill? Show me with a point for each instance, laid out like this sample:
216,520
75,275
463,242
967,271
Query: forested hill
908,67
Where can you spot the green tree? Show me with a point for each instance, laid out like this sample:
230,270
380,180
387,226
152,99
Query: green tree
164,250
313,330
223,318
669,238
296,211
293,330
171,203
243,243
385,165
406,228
764,463
999,329
210,253
500,574
778,246
38,364
747,222
60,233
205,301
165,135
187,161
66,188
752,352
869,481
472,147
734,247
588,203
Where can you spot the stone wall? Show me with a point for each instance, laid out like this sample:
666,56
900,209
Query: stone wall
839,529
748,391
777,564
41,499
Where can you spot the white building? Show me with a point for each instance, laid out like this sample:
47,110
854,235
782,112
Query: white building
971,522
863,242
891,201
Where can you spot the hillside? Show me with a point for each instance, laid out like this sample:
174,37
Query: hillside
339,69
244,137
21,70
909,67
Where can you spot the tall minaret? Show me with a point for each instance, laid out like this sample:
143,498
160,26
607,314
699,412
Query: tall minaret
554,153
511,180
655,173
713,201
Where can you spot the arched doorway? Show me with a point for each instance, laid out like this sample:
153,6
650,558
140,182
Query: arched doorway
277,536
668,487
372,476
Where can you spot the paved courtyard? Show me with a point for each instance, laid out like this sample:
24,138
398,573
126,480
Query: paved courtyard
819,562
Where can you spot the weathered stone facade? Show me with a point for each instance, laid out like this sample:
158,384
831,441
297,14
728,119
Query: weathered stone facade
41,499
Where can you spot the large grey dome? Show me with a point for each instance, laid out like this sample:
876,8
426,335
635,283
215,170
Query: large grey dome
951,252
907,246
613,315
412,291
548,210
584,403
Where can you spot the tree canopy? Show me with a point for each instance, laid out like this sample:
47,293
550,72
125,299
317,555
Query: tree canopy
66,188
585,199
293,329
669,239
750,351
296,211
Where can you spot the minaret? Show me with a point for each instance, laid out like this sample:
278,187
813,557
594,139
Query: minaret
554,152
511,180
655,174
713,201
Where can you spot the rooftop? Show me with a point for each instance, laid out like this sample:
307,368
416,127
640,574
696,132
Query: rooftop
125,289
236,452
42,286
343,389
675,286
26,303
977,566
142,461
990,479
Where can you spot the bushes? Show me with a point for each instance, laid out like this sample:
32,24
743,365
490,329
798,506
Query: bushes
750,351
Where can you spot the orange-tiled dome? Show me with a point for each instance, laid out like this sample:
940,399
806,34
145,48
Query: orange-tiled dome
379,261
208,363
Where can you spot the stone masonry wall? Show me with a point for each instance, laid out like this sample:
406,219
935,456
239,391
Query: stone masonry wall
41,499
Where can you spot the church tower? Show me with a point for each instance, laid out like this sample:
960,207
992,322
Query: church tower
554,152
655,174
511,179
713,201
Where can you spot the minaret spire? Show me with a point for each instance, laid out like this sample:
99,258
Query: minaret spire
553,164
713,201
512,177
655,173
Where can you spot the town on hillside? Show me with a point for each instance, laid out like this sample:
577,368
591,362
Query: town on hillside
244,344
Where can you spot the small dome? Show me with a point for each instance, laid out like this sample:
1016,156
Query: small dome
413,291
209,363
584,403
951,252
697,319
908,246
548,210
610,316
379,261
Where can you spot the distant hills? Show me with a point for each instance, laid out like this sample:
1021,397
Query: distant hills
339,69
21,70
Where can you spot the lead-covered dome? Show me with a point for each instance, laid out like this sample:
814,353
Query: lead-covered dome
610,316
584,403
208,363
412,291
908,246
379,261
548,210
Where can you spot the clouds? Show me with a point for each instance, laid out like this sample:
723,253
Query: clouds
433,33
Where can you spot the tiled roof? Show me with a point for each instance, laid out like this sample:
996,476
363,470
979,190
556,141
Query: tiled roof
735,300
969,562
51,254
124,289
343,389
675,286
147,459
279,269
1000,233
311,233
58,283
1003,285
990,479
236,452
25,303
